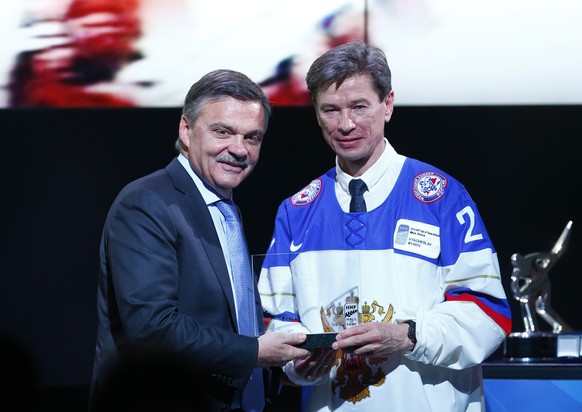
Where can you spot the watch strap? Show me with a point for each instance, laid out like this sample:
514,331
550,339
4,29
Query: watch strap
411,331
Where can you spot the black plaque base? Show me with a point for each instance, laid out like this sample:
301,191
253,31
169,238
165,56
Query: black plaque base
542,347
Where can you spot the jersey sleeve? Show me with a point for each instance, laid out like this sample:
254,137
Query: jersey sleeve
474,317
275,284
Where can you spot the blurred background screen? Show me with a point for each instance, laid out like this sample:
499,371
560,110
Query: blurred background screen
147,53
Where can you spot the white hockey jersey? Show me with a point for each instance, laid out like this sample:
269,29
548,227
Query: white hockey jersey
425,255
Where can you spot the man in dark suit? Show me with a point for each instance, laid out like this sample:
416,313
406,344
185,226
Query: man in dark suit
166,282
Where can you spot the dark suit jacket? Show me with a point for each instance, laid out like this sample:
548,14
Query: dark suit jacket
164,284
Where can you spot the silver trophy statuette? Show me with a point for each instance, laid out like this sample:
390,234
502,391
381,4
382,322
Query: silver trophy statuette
530,285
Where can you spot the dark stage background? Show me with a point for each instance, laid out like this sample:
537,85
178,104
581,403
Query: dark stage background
62,168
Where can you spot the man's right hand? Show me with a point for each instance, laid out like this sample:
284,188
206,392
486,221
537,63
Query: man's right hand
278,348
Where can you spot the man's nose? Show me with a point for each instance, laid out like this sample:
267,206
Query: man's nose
346,123
237,146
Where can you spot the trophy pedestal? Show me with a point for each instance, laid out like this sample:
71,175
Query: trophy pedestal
543,347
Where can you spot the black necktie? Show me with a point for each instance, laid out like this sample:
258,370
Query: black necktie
357,188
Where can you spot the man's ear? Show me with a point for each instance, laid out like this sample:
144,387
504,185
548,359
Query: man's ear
183,132
389,102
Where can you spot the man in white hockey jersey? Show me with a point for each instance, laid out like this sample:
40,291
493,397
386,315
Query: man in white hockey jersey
398,262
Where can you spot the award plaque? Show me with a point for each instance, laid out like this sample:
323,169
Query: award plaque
530,285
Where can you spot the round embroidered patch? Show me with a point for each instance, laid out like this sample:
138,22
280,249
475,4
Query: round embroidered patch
428,187
308,194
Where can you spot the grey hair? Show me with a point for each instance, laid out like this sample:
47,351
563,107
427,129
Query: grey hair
347,60
217,85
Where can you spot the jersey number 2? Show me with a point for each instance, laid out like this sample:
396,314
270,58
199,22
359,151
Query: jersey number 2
469,236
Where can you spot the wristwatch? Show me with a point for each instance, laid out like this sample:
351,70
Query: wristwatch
411,331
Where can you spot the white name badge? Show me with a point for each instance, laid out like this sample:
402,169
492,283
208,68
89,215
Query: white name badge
417,237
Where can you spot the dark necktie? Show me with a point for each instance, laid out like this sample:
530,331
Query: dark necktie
242,279
357,188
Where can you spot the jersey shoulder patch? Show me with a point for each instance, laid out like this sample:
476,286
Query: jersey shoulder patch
429,186
308,194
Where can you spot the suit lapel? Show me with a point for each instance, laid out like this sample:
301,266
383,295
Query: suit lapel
197,211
